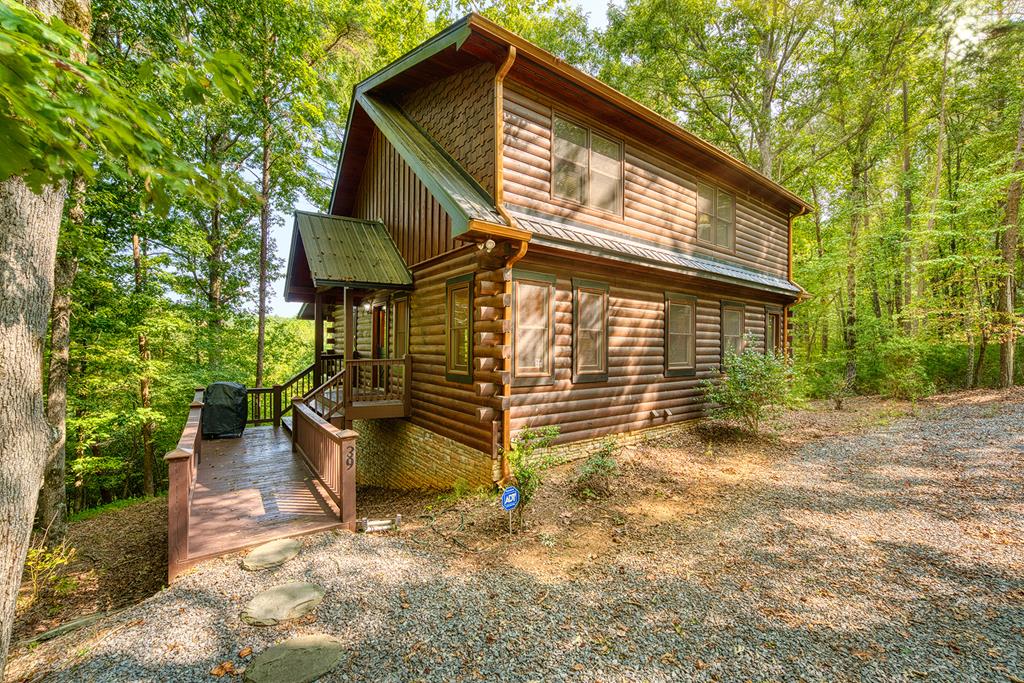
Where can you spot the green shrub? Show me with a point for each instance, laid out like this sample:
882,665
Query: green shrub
594,476
44,566
827,379
525,464
754,386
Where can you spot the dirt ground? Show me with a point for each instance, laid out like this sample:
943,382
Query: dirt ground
120,558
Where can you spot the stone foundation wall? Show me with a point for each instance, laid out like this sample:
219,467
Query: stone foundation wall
400,455
576,450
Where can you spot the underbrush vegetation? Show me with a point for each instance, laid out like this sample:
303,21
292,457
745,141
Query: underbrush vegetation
594,477
526,464
754,387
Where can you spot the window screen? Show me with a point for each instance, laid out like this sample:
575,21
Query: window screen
533,329
732,330
680,338
590,334
570,161
715,216
587,166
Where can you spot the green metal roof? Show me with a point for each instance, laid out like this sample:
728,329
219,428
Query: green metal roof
457,191
350,252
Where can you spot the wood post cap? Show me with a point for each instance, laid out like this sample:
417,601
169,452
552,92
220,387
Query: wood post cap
196,404
177,454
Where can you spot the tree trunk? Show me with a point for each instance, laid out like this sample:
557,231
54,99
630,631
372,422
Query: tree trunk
51,513
933,195
148,427
264,250
908,210
29,226
858,181
215,286
1008,245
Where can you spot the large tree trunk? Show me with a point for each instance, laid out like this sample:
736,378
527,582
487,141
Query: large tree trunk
29,226
1009,244
144,394
933,195
215,286
264,250
858,193
51,513
908,210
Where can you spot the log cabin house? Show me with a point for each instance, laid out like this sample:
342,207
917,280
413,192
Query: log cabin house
511,243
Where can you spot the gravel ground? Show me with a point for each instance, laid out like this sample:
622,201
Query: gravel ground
895,554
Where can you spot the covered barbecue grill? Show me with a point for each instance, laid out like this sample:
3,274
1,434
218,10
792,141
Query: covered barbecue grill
224,410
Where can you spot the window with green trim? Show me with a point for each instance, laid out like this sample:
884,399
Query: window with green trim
534,330
459,328
716,211
590,331
732,328
680,334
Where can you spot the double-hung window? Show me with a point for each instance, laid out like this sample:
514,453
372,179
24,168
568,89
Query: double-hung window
586,166
590,331
716,213
680,335
732,328
459,328
534,335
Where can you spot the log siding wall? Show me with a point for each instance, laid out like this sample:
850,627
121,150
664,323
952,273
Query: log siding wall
390,192
458,112
637,394
659,197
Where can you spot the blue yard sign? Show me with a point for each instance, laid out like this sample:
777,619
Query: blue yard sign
510,498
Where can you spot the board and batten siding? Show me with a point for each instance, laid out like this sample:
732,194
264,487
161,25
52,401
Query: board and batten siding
637,391
391,193
659,197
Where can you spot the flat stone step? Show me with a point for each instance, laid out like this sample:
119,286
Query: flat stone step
302,659
272,554
282,603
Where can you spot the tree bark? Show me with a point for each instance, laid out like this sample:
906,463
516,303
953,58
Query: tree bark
148,487
933,195
1008,247
264,248
29,226
51,513
215,286
908,210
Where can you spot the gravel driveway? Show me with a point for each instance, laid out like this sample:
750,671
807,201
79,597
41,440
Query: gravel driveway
896,554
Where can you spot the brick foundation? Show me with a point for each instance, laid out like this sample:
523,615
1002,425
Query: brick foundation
399,455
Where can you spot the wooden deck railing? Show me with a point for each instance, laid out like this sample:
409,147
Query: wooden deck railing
379,379
328,400
267,405
331,455
181,479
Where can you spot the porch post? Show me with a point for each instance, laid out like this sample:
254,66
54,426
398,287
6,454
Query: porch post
318,340
350,338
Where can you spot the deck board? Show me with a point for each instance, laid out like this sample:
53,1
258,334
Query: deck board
252,490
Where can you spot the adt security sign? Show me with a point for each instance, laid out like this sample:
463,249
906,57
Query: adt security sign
510,498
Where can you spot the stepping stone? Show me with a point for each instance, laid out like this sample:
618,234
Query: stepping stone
302,659
272,554
281,603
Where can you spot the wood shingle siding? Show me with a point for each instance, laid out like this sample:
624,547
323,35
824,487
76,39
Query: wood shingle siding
637,393
458,112
659,196
391,193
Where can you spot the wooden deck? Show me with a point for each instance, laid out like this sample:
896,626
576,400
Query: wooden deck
252,490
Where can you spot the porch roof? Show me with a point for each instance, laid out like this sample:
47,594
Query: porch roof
564,234
340,251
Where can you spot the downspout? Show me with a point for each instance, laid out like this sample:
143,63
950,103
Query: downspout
789,276
499,202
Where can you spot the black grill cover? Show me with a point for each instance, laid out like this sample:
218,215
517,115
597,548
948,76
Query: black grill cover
224,410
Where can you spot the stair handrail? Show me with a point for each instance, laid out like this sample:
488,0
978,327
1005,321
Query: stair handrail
318,396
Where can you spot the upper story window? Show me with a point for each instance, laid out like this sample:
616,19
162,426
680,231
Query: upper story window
716,216
590,331
680,337
533,359
458,328
587,166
